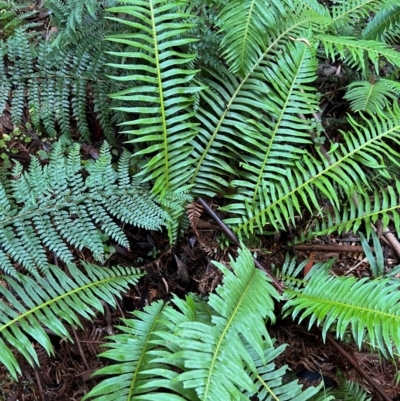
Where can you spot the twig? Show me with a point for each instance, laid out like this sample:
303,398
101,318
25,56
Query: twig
393,242
233,238
78,343
357,367
330,248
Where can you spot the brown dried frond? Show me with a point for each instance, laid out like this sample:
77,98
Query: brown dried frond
194,211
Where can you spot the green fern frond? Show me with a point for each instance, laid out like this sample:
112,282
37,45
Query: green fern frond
60,80
280,134
214,354
368,97
363,209
353,12
51,206
31,304
270,381
356,51
230,109
197,350
243,24
161,95
363,306
363,147
384,25
132,351
349,391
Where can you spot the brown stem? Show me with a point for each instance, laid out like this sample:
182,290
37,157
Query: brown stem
357,367
232,237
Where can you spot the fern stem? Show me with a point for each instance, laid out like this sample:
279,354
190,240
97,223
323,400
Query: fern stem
232,236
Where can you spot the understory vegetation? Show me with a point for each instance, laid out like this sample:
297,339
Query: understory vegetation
283,115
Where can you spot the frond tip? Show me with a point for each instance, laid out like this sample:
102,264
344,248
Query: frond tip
368,308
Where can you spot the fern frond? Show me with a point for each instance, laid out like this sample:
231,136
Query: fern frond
214,354
353,12
244,24
364,306
368,97
132,351
31,304
279,201
161,95
349,391
279,133
384,25
270,382
356,51
228,105
51,206
363,209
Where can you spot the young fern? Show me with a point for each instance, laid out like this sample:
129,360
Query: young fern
215,350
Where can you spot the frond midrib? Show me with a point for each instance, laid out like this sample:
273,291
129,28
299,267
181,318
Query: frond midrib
326,301
315,177
224,332
348,12
92,284
161,94
149,334
256,65
277,126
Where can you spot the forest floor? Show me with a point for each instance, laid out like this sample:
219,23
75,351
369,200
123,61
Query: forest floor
185,268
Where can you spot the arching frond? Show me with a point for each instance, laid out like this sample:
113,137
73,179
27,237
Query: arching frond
214,354
384,26
363,209
197,350
352,12
30,305
356,51
230,109
159,91
132,351
368,97
277,139
363,306
244,25
349,391
363,147
270,381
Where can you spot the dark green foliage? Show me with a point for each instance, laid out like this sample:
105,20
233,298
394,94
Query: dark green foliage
59,204
220,99
61,75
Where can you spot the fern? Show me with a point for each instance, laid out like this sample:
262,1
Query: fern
368,97
364,306
59,75
270,381
54,206
161,94
384,25
350,391
29,304
199,350
281,201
